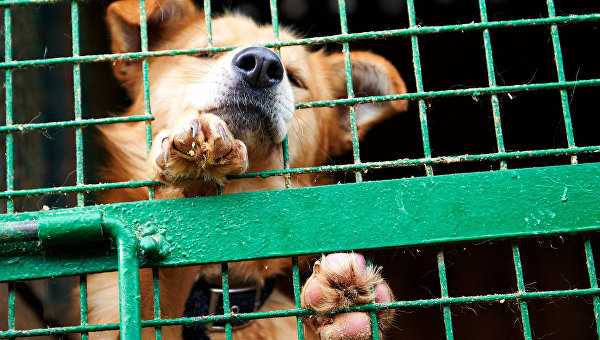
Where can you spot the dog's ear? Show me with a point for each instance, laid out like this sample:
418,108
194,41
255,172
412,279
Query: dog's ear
163,17
372,75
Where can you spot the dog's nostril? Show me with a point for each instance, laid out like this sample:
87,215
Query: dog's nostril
275,71
247,63
258,67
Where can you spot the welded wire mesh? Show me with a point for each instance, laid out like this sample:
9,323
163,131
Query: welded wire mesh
419,97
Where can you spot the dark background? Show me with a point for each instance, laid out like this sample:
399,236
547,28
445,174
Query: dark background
457,126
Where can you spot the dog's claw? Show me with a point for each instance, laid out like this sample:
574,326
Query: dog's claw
195,126
165,148
222,130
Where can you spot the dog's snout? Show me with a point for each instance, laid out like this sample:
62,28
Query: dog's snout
258,66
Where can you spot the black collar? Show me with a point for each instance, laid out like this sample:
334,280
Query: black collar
207,299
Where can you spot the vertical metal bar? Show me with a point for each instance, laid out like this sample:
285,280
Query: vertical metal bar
146,82
444,287
156,295
521,290
83,306
284,145
130,314
209,44
208,22
226,304
297,291
11,307
489,57
350,88
77,99
419,83
560,69
10,176
589,256
129,289
373,314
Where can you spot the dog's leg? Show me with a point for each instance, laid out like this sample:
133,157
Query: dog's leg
339,281
199,149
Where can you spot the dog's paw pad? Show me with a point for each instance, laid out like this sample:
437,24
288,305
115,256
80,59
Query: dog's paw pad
339,281
198,146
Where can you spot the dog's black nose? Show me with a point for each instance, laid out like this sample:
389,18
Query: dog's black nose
258,66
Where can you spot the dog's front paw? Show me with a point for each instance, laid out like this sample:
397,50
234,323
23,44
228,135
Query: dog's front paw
339,281
200,146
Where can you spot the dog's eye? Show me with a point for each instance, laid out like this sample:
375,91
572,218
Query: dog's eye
204,55
296,81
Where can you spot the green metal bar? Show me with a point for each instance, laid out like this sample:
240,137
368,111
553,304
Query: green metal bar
454,93
323,169
156,296
226,304
10,175
146,82
209,43
11,334
320,40
73,123
83,305
489,57
130,315
11,307
285,144
589,257
77,104
414,40
444,288
208,21
426,161
297,291
350,88
564,99
83,188
373,314
305,312
521,290
402,212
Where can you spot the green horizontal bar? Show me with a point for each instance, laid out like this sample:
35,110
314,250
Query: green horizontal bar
395,213
322,169
78,188
499,298
314,41
453,93
73,123
379,306
5,3
58,330
426,161
332,103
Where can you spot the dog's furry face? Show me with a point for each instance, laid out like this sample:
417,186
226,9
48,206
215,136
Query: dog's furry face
260,117
210,83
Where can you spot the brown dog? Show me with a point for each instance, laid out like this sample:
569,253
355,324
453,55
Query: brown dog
218,115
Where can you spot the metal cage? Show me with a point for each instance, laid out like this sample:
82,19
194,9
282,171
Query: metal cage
429,210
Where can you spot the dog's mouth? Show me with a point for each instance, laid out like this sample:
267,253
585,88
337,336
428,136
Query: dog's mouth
251,123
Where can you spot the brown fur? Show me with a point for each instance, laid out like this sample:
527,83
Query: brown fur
315,135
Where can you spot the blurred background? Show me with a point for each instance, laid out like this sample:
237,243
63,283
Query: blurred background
457,126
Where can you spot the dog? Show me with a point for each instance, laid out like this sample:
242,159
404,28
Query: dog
224,114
